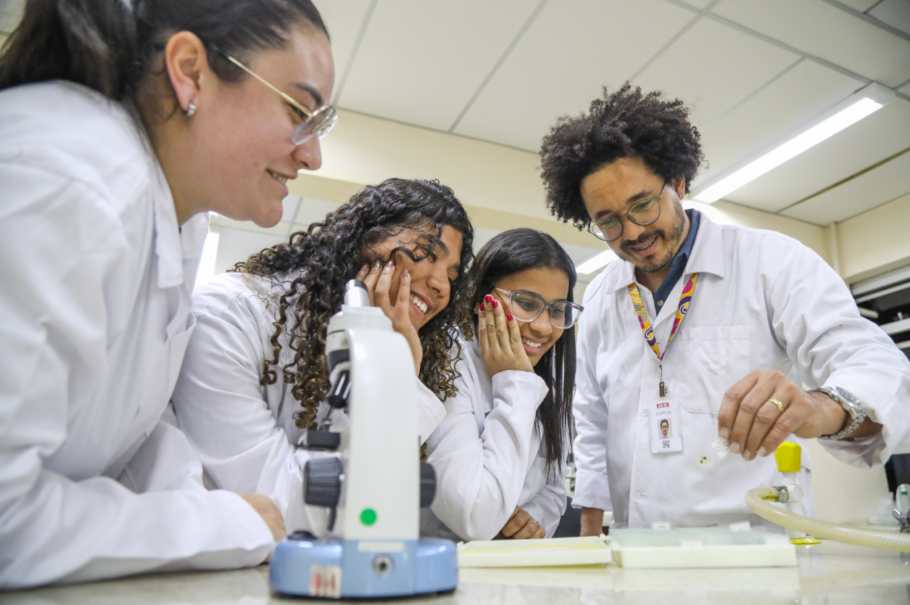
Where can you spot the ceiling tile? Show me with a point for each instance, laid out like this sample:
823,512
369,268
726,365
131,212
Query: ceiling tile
860,5
699,4
852,150
827,32
343,19
876,187
559,66
895,13
421,62
713,67
776,112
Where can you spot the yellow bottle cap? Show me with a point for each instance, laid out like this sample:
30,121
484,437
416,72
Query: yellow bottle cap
788,457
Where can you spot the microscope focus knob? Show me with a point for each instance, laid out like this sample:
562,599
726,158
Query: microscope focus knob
427,484
322,481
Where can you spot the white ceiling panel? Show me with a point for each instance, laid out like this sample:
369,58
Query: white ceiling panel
421,62
343,19
905,90
699,4
895,13
713,67
844,39
876,187
860,5
852,150
560,64
774,113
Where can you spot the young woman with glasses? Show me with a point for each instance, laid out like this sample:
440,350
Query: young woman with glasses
121,124
500,452
255,377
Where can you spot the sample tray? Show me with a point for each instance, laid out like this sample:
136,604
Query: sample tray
699,547
533,553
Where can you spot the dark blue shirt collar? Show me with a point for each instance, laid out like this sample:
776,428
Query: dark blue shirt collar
678,264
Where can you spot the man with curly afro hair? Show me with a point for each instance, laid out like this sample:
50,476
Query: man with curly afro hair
748,312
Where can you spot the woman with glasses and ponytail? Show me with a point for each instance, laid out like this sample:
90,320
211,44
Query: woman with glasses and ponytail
122,123
500,452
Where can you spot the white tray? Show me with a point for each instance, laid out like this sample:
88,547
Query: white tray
699,547
533,553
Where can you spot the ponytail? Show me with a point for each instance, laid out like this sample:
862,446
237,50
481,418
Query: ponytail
90,42
109,45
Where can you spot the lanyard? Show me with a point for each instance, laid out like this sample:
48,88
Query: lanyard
648,331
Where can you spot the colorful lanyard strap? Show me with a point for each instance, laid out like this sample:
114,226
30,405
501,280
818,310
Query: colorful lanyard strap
645,323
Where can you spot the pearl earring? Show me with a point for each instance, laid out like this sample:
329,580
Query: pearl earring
190,110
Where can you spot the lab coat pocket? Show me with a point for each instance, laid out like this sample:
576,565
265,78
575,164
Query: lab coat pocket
710,361
176,348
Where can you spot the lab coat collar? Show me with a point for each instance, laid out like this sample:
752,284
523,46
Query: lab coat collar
173,244
706,257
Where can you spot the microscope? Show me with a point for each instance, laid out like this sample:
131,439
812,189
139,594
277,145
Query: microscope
376,484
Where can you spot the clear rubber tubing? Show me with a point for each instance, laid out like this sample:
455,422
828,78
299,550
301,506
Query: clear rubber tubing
760,501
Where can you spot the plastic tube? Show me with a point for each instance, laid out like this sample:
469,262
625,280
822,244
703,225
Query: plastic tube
759,500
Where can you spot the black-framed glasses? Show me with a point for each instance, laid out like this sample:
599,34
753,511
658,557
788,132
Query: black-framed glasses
642,214
313,123
527,306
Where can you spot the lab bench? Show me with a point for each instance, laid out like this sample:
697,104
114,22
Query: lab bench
828,574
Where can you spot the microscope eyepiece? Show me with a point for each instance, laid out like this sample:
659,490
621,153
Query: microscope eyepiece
355,294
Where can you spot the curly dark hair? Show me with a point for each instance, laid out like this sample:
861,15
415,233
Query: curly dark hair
312,268
519,250
625,123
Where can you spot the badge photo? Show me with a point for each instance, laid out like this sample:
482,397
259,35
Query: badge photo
666,429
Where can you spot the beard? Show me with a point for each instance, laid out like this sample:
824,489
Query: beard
673,239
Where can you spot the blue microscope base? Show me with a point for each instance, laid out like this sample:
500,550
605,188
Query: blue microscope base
332,568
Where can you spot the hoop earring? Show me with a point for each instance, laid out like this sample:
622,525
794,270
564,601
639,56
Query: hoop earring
190,110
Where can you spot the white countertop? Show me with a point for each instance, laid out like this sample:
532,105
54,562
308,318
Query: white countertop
826,575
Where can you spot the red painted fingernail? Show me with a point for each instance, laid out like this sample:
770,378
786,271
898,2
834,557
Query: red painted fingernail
488,298
509,316
495,304
482,308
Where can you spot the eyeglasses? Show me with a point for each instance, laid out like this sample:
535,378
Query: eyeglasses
313,123
642,214
527,306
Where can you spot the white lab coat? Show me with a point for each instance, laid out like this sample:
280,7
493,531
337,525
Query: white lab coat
94,319
488,454
762,301
245,433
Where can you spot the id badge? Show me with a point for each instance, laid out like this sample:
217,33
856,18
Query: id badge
666,428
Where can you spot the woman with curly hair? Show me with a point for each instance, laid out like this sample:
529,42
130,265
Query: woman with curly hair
500,452
255,375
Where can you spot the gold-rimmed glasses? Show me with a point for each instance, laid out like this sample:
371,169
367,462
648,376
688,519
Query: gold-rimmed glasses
313,123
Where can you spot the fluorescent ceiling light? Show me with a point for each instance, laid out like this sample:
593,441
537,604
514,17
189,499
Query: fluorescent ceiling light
864,103
593,264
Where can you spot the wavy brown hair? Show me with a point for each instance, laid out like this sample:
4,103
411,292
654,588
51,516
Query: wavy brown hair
314,265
